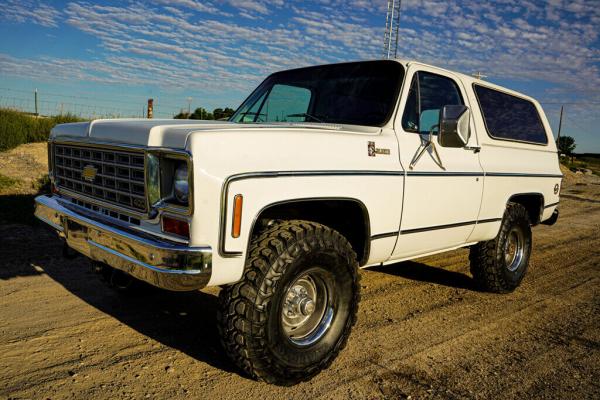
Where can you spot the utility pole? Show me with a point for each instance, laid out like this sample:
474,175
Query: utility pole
189,100
560,123
36,102
559,129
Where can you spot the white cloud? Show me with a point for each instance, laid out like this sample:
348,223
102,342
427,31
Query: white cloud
30,11
199,45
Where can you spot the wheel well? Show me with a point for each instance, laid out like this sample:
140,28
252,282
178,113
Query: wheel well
347,216
533,203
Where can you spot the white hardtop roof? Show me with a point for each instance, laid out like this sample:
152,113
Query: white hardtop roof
468,79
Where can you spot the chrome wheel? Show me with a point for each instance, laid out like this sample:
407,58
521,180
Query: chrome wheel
306,310
514,249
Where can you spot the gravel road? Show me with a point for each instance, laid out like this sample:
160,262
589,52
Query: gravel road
424,330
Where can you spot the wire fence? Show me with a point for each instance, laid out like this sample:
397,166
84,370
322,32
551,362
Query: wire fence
48,104
577,119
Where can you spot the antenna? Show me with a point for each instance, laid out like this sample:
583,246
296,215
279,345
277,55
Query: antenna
392,23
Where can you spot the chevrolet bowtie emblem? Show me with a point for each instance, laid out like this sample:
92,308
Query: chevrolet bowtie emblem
89,173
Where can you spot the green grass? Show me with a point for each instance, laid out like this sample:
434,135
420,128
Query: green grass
6,182
17,128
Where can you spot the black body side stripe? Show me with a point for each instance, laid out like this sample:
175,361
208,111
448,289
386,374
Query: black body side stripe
384,235
551,205
525,175
484,221
419,173
278,174
433,228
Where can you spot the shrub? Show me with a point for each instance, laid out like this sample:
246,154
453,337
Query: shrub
17,128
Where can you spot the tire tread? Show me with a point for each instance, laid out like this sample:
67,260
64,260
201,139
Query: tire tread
243,306
484,256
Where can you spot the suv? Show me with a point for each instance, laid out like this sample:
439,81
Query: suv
320,171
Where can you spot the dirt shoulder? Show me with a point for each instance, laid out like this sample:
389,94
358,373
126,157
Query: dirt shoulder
423,330
26,165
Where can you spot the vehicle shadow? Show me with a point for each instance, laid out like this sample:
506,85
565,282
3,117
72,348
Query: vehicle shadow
417,271
185,321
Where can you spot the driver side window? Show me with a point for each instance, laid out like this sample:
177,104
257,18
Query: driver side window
427,95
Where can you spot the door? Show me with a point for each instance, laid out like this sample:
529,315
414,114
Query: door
443,188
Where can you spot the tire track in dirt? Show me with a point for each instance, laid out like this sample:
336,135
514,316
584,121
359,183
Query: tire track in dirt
423,329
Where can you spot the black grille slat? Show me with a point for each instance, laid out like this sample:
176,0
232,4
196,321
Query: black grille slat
119,175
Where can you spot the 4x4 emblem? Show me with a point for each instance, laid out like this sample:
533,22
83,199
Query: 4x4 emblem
89,173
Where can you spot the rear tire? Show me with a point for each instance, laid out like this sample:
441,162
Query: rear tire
499,265
293,310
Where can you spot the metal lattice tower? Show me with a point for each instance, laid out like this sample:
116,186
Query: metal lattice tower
392,23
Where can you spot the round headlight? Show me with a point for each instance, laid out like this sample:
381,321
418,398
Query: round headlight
181,187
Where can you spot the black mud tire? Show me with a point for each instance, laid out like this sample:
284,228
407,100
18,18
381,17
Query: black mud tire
489,265
250,311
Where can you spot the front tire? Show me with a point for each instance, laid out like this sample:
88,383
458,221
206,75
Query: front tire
499,265
293,310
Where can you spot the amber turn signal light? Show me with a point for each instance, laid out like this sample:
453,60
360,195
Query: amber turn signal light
236,225
176,226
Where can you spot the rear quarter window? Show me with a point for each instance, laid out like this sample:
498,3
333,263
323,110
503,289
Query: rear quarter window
509,117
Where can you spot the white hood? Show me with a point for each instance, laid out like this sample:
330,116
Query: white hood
173,133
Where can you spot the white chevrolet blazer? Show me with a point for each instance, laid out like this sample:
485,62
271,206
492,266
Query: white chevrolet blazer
320,171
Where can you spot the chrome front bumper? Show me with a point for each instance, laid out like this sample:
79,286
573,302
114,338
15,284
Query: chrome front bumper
164,264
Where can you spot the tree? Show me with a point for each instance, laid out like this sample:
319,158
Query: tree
219,113
201,113
566,144
182,115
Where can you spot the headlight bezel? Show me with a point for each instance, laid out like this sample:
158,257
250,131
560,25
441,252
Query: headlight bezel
161,167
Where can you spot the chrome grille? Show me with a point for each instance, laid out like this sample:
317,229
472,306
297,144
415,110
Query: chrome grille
111,176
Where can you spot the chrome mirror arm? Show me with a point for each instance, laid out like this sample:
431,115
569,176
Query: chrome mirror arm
429,143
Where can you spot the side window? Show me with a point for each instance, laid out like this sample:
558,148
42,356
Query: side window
410,118
509,117
286,103
427,95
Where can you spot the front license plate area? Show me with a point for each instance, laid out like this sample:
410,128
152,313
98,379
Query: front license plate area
76,234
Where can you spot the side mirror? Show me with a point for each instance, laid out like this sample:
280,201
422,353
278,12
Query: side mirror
454,126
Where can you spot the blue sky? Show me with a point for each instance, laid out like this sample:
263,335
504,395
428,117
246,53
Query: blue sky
108,57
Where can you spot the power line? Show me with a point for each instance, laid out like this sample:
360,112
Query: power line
584,130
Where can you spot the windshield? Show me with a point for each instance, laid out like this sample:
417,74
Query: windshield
361,93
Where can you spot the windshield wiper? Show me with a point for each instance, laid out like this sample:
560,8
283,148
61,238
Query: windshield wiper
256,115
306,115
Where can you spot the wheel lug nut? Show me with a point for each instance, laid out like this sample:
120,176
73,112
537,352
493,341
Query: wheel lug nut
307,307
